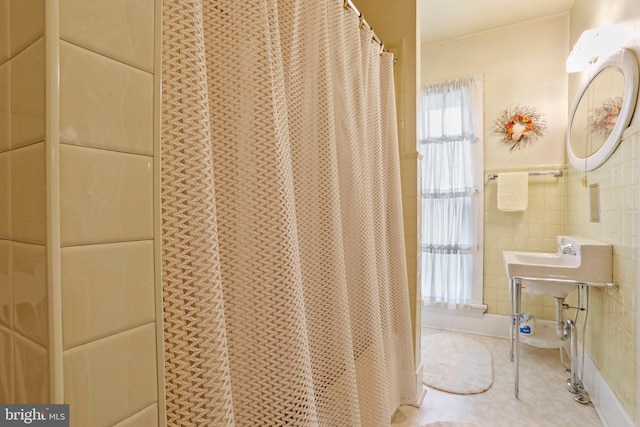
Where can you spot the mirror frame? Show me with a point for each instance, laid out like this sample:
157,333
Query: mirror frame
626,61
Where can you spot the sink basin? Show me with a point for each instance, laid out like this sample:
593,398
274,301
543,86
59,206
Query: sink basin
582,260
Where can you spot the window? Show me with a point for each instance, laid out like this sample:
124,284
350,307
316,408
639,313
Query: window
452,167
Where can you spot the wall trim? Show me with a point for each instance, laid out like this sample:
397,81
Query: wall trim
473,310
52,180
157,213
421,390
607,405
609,408
493,325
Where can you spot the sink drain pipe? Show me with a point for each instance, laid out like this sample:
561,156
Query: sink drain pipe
566,330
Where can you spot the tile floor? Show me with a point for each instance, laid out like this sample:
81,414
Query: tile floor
543,402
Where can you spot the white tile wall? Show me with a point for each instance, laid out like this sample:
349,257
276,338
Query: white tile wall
27,95
31,372
105,196
532,230
111,379
91,23
5,103
27,23
4,30
23,300
6,291
109,286
6,365
106,289
5,195
29,283
148,417
28,194
611,332
104,103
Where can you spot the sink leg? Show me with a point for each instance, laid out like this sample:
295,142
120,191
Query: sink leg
514,321
574,384
515,294
516,332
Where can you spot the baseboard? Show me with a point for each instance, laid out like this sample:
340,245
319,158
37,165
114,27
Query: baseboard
421,391
609,408
493,325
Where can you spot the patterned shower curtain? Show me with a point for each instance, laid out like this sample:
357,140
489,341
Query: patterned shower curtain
284,278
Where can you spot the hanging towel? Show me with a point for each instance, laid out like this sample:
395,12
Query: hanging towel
513,191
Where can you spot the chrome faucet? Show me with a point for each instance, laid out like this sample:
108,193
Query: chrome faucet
568,249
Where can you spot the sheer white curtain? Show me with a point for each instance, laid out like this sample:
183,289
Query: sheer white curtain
451,148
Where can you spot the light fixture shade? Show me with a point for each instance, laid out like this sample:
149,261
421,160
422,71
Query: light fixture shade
597,43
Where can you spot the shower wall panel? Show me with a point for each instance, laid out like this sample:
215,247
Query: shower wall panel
24,335
78,282
108,281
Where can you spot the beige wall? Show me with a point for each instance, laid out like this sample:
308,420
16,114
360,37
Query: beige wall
77,230
612,328
521,64
534,76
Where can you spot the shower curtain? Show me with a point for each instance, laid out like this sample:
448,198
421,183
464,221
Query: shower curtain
284,278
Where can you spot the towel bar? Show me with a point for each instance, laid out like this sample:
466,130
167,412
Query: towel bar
556,174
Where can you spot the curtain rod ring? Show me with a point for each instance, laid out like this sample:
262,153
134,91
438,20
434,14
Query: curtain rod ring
361,21
346,4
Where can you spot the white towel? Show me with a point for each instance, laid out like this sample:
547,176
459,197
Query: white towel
513,191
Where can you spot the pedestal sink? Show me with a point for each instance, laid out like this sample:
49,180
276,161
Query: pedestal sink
578,261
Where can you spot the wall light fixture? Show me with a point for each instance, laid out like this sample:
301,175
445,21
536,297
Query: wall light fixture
597,43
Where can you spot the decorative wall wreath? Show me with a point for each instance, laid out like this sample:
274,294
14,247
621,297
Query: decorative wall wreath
603,118
519,126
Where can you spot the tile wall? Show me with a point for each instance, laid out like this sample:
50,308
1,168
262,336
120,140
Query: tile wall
532,230
107,211
105,253
24,323
612,323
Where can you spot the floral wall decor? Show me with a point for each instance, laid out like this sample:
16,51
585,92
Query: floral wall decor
603,118
519,126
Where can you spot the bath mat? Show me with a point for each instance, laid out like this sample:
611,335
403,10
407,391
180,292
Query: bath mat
456,364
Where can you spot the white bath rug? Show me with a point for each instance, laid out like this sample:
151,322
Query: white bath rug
456,364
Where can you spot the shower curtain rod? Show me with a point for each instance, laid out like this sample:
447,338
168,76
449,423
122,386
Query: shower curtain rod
348,4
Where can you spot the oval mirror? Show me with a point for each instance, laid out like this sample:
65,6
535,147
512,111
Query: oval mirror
602,110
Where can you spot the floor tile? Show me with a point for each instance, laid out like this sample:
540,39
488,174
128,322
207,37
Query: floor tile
543,399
